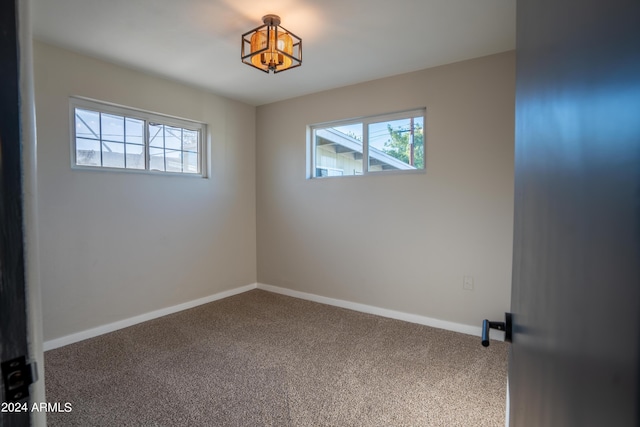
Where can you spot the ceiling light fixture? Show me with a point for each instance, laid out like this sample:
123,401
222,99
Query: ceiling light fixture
270,47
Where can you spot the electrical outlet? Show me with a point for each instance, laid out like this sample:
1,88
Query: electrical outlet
467,283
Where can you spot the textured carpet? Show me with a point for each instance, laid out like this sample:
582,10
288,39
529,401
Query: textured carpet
262,359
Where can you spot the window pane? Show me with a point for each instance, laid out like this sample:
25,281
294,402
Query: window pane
173,138
190,162
111,136
156,159
156,135
135,156
112,127
339,150
322,172
135,131
112,155
174,160
190,140
87,152
87,124
396,145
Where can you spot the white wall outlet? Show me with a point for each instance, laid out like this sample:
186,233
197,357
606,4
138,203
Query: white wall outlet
467,283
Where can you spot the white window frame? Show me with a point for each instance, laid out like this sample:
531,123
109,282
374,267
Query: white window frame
148,117
365,121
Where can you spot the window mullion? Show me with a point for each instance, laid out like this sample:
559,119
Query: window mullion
147,143
164,146
130,125
313,154
383,146
100,127
201,151
365,148
182,150
124,137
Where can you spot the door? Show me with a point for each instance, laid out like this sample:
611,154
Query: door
13,301
576,282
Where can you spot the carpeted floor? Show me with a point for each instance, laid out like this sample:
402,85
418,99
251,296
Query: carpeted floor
262,359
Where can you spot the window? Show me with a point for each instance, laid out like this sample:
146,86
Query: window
391,142
114,137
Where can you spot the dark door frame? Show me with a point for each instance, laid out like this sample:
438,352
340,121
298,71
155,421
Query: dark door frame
13,316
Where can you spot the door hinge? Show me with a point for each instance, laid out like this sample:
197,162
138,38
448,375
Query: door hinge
17,375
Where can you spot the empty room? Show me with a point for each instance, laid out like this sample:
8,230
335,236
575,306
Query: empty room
306,213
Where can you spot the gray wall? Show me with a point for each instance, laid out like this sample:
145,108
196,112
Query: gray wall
116,245
401,242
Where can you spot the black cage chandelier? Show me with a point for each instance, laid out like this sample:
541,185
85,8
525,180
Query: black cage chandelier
271,47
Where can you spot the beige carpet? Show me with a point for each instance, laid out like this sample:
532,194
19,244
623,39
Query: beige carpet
262,359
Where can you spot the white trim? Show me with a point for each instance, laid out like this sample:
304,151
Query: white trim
363,308
147,117
367,151
139,113
111,327
399,315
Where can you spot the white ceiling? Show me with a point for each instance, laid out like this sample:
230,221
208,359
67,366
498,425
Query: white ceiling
344,41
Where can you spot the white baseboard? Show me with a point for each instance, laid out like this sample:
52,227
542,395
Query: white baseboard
399,315
104,329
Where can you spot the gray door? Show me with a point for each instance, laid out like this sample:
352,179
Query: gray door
13,320
576,280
